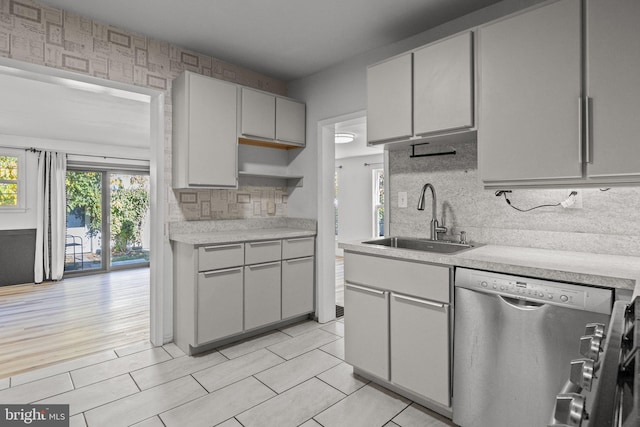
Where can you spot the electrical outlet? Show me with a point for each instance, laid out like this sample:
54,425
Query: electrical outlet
578,199
402,199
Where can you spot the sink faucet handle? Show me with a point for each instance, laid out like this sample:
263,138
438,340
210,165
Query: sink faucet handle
463,237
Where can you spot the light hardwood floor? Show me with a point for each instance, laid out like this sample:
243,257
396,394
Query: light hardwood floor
53,322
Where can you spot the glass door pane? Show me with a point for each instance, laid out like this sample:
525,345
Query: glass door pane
83,239
378,202
129,219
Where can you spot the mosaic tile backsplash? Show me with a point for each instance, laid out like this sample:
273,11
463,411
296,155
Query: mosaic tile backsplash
42,35
244,203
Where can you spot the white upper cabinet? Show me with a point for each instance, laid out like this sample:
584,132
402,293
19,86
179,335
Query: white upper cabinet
290,121
427,92
389,110
613,88
272,118
258,114
529,84
559,98
205,149
443,86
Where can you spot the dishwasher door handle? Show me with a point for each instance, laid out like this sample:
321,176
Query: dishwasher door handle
419,301
521,304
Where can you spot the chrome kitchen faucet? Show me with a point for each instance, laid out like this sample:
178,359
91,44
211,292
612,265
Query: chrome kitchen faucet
434,227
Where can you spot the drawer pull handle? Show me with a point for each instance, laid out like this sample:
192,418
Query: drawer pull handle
221,248
297,260
299,239
587,129
269,243
259,266
220,272
362,288
419,301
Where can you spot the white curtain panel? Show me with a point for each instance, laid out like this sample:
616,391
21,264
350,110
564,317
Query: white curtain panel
51,216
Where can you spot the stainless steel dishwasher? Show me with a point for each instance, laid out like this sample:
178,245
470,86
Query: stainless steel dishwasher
514,340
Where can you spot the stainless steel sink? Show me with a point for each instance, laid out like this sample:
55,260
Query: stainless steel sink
426,245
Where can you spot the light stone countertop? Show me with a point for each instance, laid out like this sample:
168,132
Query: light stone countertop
235,236
613,271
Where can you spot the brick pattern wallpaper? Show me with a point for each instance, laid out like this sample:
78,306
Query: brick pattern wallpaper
38,34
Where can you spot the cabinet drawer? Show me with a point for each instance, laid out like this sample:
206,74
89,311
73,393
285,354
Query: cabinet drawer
298,247
411,278
260,252
220,256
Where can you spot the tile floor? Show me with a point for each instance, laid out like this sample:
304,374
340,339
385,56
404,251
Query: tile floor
294,376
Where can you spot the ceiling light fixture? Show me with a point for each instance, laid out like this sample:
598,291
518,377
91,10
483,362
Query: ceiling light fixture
344,137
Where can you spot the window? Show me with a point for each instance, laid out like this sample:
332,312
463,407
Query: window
378,202
11,179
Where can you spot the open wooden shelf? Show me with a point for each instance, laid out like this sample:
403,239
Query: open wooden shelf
292,180
269,144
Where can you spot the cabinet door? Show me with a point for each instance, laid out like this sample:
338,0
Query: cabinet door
290,121
529,89
297,287
212,136
389,102
443,86
258,114
219,304
261,294
420,347
366,335
613,85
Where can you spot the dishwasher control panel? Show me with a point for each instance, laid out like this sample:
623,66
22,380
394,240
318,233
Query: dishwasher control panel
538,290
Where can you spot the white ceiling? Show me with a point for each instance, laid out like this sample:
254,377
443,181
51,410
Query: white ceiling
49,108
285,39
357,147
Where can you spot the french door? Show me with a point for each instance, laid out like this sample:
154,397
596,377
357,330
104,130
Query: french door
107,220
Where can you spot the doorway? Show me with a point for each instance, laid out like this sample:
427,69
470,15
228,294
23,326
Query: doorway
358,202
63,81
107,220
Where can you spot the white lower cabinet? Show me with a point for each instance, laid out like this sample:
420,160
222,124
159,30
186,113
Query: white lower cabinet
297,286
420,347
398,326
261,294
219,301
224,292
366,326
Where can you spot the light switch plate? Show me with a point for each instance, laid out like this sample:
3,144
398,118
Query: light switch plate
402,199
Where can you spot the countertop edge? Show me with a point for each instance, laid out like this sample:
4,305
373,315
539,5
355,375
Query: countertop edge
237,236
624,280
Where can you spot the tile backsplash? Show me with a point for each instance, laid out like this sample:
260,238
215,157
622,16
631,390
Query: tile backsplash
244,203
608,222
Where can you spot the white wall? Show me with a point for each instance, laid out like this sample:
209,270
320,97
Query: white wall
355,197
342,90
339,91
